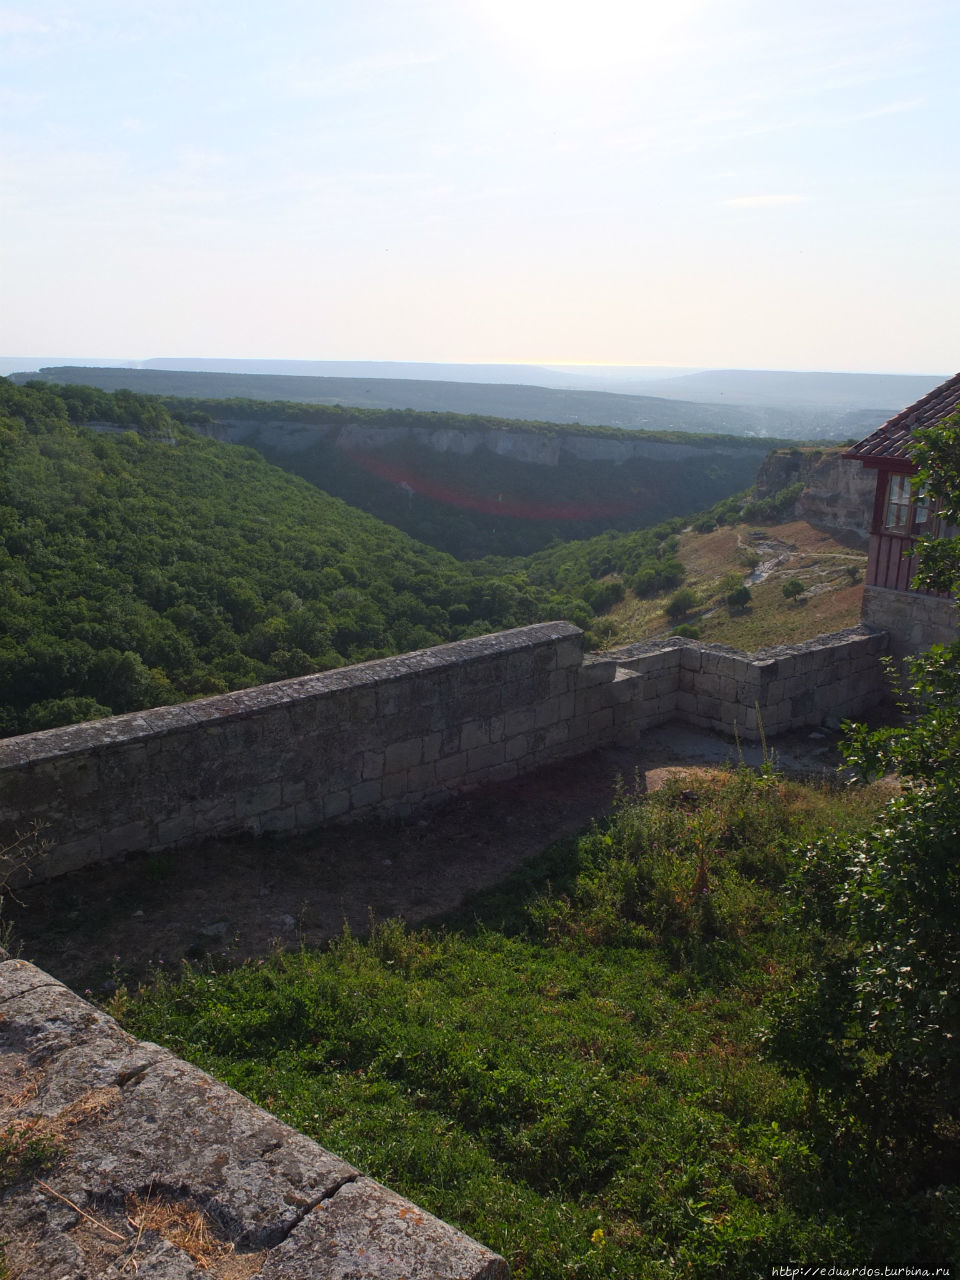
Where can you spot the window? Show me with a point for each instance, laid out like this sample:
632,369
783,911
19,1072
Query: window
908,512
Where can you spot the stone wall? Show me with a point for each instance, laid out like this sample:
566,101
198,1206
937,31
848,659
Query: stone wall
913,620
391,736
143,1137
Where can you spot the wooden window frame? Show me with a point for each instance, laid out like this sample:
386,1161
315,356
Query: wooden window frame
906,510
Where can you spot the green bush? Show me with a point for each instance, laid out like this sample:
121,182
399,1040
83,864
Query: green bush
680,603
738,598
877,1023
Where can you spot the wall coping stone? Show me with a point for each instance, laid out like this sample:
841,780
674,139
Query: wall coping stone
49,744
138,1121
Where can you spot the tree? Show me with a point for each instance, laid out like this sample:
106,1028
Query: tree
877,1023
793,589
680,603
739,598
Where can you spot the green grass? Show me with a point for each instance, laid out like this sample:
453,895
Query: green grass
574,1076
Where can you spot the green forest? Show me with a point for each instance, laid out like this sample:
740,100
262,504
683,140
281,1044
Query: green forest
487,502
143,564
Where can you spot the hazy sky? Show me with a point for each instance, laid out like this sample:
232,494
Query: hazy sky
751,183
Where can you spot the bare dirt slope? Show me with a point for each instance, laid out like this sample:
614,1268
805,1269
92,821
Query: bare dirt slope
238,899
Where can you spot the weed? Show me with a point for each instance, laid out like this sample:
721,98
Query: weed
25,1151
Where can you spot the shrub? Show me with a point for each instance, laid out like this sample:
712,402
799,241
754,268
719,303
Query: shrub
877,1023
680,603
793,589
739,598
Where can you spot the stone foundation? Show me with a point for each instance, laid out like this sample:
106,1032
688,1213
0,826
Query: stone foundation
914,621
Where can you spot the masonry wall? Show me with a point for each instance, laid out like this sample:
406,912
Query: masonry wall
913,620
399,734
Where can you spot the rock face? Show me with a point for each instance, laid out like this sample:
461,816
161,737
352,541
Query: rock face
158,1170
837,492
543,448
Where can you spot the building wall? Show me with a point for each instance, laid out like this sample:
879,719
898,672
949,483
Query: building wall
391,736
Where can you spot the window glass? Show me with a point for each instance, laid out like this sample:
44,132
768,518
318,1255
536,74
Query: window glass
898,504
907,512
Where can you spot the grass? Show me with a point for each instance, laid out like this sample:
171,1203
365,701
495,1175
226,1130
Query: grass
818,559
570,1069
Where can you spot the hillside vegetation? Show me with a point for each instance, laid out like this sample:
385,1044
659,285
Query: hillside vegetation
142,564
572,1070
478,486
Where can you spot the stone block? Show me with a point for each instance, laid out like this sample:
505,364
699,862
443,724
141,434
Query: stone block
556,733
569,651
309,815
422,778
394,785
475,733
372,765
515,747
450,768
597,672
395,1240
520,721
292,792
577,727
403,755
175,830
259,799
708,708
549,712
691,658
503,772
562,681
365,794
335,804
600,722
485,757
686,703
803,706
279,820
487,702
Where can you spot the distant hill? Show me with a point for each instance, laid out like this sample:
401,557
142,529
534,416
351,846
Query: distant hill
502,400
887,393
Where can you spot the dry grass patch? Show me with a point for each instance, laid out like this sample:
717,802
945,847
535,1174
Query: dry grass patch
187,1227
792,550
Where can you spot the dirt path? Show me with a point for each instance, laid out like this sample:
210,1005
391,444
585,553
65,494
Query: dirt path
241,898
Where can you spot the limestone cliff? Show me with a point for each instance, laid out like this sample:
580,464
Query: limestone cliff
837,493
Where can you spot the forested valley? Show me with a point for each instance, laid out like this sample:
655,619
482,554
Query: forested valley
143,563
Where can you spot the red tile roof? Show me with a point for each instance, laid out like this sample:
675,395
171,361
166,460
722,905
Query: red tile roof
891,442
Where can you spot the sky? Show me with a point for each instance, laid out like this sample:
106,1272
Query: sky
708,183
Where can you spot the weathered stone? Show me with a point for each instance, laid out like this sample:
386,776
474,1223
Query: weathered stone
366,1232
137,1122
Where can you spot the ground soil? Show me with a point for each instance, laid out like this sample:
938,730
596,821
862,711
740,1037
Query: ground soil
237,899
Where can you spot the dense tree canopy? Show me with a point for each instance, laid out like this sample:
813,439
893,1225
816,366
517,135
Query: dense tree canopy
141,564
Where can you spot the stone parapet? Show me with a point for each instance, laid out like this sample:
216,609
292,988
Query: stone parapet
400,734
143,1137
